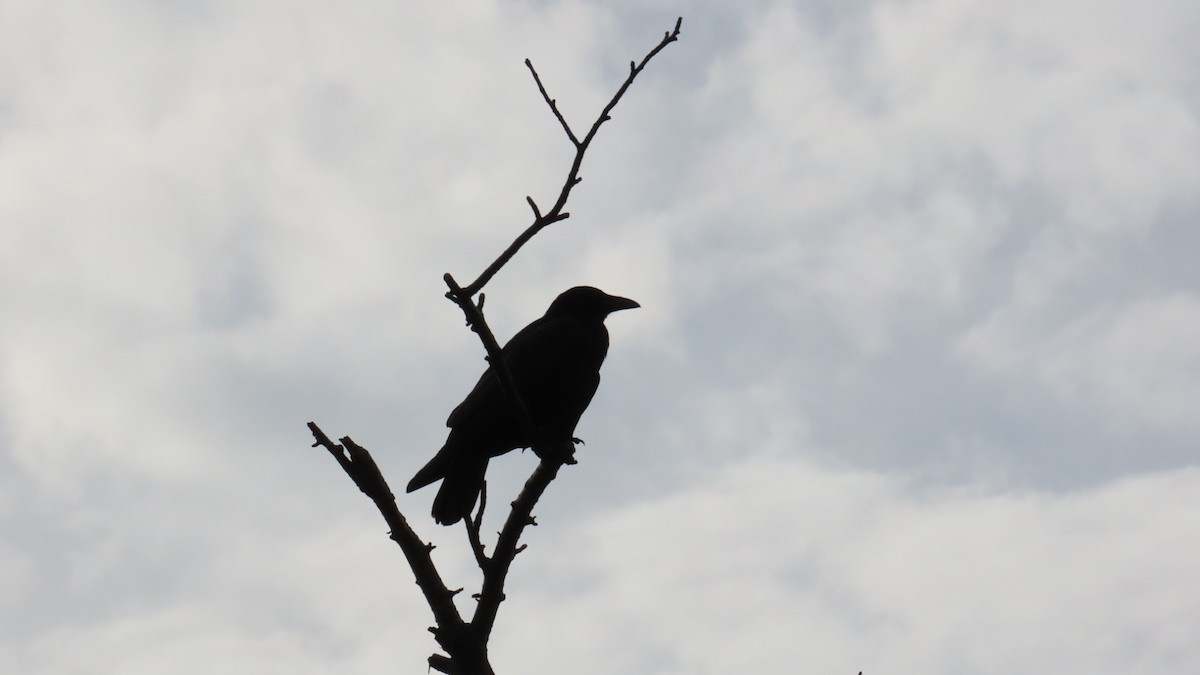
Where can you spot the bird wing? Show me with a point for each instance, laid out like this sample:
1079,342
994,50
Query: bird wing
556,365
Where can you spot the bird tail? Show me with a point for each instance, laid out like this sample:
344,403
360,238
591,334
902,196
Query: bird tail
433,471
461,473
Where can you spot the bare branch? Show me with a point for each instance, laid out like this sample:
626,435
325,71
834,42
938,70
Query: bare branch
521,515
556,212
360,466
552,103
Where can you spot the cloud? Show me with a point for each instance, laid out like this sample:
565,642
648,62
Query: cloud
911,388
896,180
1136,360
307,614
786,564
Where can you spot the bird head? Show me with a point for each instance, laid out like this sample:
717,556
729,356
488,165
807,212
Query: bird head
586,301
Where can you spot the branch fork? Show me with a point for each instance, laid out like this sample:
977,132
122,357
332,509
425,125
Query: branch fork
465,642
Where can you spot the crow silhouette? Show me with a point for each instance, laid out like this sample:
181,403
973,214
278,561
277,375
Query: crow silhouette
555,365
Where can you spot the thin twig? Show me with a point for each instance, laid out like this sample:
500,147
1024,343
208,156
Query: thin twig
473,525
537,213
552,103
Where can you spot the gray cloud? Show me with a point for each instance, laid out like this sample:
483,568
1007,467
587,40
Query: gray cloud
913,376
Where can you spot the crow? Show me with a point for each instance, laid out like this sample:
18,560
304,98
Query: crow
555,365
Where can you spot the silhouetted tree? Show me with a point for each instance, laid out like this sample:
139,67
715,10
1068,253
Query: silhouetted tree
465,641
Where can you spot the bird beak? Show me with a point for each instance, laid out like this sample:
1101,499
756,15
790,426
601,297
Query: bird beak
616,303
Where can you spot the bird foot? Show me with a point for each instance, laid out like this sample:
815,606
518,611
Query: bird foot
564,453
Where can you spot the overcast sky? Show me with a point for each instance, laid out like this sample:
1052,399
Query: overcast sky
915,387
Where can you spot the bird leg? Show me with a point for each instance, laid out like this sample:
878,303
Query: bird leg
473,525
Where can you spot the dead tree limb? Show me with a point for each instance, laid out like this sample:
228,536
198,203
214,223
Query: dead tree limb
465,643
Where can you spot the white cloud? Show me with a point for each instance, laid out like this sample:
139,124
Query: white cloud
911,239
296,632
776,563
1137,362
